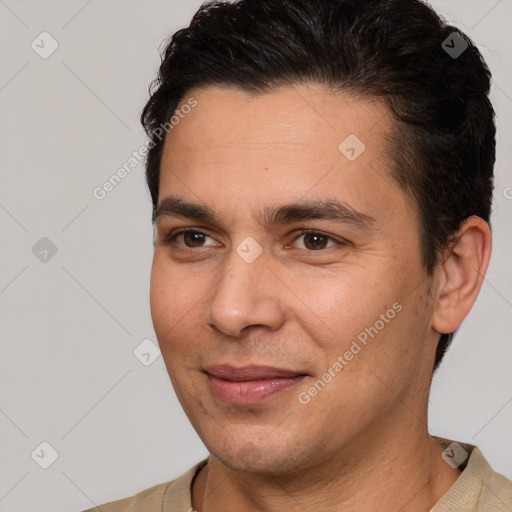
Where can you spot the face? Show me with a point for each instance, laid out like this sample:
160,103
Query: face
344,305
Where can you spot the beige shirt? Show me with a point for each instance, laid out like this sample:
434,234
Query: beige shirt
478,489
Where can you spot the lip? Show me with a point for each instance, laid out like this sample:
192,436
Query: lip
250,385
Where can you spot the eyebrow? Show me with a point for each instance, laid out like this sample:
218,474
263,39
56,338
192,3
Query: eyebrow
325,209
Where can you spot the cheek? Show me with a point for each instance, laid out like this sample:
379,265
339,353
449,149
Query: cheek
335,308
368,317
173,299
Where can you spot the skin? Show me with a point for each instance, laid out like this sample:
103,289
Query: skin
362,443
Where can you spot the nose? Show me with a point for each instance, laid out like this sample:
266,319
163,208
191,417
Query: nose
247,294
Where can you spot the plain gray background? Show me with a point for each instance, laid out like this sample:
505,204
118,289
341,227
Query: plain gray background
70,324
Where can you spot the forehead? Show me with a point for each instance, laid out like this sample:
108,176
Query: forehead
305,116
302,141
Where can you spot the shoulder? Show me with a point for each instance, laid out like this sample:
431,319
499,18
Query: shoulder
150,499
171,496
479,488
496,492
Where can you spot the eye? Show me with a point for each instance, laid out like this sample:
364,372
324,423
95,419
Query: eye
316,240
190,237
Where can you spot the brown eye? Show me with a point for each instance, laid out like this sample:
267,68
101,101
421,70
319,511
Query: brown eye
193,238
315,240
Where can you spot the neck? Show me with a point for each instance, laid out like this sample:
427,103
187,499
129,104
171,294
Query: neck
403,471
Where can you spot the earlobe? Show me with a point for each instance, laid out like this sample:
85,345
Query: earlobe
461,274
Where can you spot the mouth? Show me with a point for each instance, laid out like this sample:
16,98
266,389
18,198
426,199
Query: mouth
250,385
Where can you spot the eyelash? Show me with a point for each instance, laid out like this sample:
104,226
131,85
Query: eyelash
170,239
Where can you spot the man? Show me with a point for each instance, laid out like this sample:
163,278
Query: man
321,204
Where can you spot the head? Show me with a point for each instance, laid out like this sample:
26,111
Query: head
275,98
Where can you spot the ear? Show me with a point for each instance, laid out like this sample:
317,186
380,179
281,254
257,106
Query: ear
461,274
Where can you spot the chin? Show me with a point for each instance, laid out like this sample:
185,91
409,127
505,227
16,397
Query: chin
243,464
249,458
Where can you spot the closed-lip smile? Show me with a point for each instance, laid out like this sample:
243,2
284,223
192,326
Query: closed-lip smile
250,385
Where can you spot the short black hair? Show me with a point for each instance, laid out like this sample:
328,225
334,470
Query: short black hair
443,145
